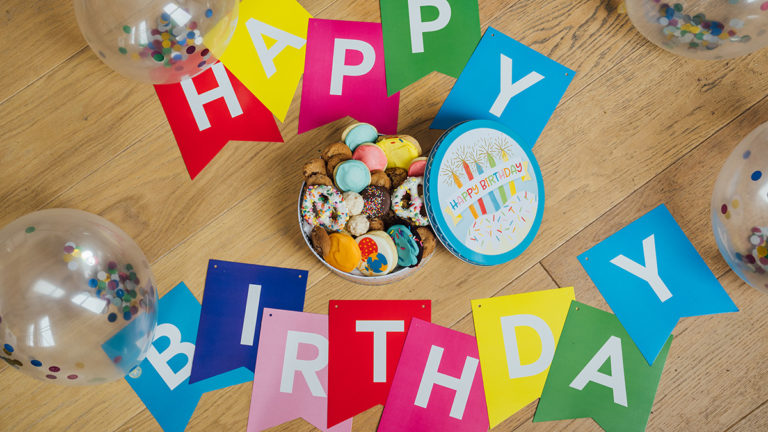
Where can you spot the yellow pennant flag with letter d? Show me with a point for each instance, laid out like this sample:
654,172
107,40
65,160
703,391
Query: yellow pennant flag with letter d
516,337
267,50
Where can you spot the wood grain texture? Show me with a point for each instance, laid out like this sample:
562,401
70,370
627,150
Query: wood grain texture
637,127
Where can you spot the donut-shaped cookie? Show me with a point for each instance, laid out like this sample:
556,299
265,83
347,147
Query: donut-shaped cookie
324,206
410,210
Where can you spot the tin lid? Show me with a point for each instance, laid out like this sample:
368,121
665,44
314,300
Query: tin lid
484,192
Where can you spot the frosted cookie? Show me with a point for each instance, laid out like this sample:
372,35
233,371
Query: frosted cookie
408,204
354,203
334,161
324,206
352,176
418,167
400,150
409,251
359,133
376,201
378,255
371,155
343,252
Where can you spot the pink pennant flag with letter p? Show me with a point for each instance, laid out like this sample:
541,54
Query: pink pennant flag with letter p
344,75
291,374
438,385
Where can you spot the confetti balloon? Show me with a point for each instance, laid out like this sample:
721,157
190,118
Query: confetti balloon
740,209
77,300
157,41
703,29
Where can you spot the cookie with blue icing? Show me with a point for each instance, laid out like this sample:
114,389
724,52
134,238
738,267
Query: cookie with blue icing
359,133
408,245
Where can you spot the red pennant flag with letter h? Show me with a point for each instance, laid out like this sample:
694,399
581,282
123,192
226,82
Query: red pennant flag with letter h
209,110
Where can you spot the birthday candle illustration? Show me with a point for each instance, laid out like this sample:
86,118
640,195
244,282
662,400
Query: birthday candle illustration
476,159
451,172
501,146
463,155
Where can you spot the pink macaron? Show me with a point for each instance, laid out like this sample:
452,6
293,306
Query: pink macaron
371,155
417,168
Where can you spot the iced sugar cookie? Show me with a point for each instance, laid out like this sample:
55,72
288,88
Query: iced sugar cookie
352,176
400,150
371,155
409,251
378,254
417,167
343,252
359,133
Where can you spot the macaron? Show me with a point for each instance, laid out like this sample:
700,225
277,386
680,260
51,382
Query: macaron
417,167
378,254
400,150
352,175
343,252
371,155
359,133
409,251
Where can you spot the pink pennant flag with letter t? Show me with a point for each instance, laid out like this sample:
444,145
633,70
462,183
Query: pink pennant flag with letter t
344,75
291,374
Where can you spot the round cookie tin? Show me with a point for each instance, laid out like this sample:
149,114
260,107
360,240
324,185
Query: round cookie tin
484,192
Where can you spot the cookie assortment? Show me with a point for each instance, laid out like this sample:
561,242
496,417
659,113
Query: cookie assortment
362,205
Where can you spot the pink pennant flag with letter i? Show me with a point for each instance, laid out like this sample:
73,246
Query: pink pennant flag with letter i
344,75
291,374
438,385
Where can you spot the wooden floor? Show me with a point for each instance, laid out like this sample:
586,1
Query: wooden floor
637,127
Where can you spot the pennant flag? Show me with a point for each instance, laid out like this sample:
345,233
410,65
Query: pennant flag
516,337
233,303
421,36
291,374
598,372
207,111
162,379
506,81
438,385
651,276
366,339
266,52
344,75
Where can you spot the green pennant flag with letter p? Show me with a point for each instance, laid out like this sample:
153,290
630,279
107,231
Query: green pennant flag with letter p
598,372
421,36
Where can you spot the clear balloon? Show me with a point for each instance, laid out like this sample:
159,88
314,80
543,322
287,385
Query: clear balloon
157,41
703,29
77,298
740,209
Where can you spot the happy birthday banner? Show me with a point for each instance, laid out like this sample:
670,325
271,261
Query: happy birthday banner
291,373
516,338
211,109
233,307
367,337
421,36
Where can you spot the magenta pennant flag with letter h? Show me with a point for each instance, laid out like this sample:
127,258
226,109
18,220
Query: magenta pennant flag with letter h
291,374
438,385
344,75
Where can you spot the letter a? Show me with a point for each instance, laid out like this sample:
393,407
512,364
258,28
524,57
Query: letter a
461,385
224,90
611,349
649,273
257,30
510,89
419,27
160,360
339,68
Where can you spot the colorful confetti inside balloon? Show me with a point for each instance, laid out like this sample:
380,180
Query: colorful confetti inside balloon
740,209
59,302
703,29
154,40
